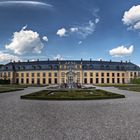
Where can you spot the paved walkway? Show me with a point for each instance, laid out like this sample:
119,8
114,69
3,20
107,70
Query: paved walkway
117,119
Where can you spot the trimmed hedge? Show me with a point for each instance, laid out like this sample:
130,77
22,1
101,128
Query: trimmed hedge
4,82
72,95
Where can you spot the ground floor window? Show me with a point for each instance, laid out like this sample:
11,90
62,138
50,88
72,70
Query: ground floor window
118,80
113,80
33,81
50,80
97,80
27,81
44,81
17,81
91,80
38,81
55,80
102,80
22,81
108,80
123,81
85,80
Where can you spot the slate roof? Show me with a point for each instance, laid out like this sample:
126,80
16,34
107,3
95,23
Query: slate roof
55,65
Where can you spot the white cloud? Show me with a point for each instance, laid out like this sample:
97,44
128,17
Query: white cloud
97,20
61,32
131,18
58,56
25,41
74,29
26,3
80,42
5,57
45,38
86,29
121,51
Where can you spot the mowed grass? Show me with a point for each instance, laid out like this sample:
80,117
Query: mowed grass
10,88
130,87
72,95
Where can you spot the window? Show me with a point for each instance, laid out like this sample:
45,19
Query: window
108,80
63,80
17,81
78,74
91,74
38,81
122,74
107,74
44,81
50,74
123,80
33,81
85,80
17,75
50,80
118,74
63,74
9,74
27,81
55,74
85,74
78,80
22,74
113,80
38,74
27,74
135,74
118,80
91,80
97,74
131,74
97,80
22,81
102,80
33,74
113,74
102,74
55,80
44,74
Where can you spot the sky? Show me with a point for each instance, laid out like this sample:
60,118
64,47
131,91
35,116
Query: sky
70,29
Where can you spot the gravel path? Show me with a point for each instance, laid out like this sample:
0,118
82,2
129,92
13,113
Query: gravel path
117,119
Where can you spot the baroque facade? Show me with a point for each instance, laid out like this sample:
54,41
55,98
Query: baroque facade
69,71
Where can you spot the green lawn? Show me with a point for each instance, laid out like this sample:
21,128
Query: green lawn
72,95
8,88
131,87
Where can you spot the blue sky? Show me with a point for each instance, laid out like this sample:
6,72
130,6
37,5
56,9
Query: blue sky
70,29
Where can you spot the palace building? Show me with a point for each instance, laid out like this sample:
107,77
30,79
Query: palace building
69,71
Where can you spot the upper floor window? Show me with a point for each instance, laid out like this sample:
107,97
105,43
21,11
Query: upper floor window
85,74
50,74
102,74
91,74
38,74
44,74
55,74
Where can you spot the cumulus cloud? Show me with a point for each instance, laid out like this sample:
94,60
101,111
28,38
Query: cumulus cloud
25,41
26,3
61,32
74,29
122,51
45,38
5,57
131,18
58,56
